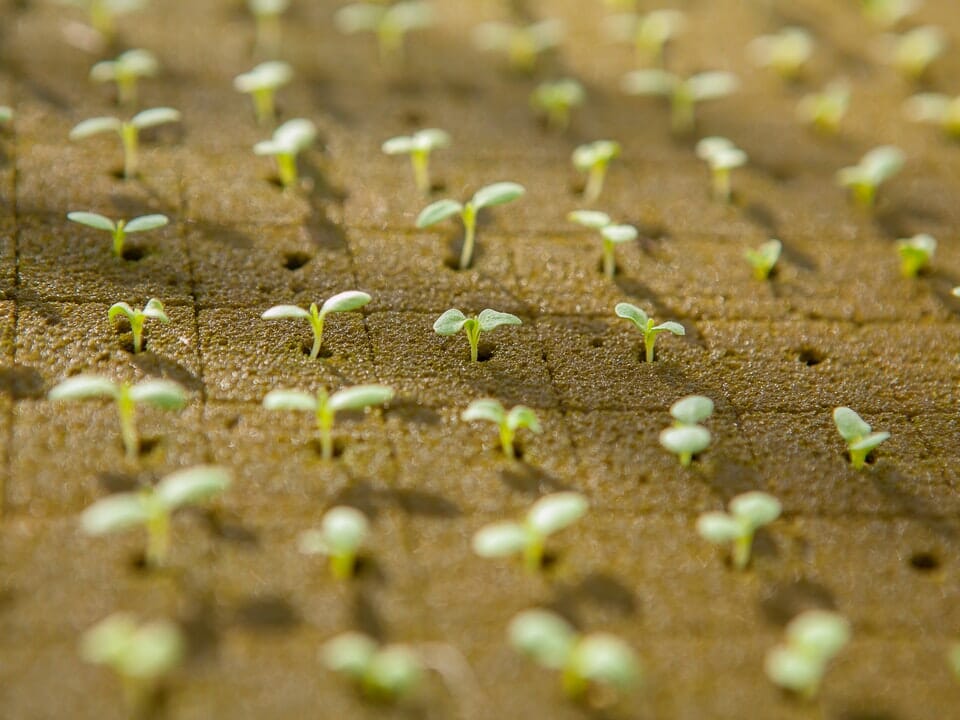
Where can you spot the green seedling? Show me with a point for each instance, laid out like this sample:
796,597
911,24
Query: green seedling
342,532
813,638
888,13
129,132
388,673
936,109
496,194
684,94
786,52
583,660
103,14
593,159
125,71
519,417
522,44
916,254
687,437
748,513
722,156
288,141
611,234
140,655
266,15
912,53
875,168
152,310
556,99
152,507
764,258
646,327
825,110
121,228
325,406
548,515
858,435
261,85
418,146
341,302
453,321
650,34
390,23
163,394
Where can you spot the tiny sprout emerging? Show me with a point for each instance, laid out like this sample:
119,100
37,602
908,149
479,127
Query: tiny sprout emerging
121,228
548,515
453,321
646,327
385,673
520,416
267,14
522,44
913,52
288,141
684,94
649,33
129,67
584,660
556,99
722,156
340,536
876,167
813,638
325,406
418,146
496,194
164,394
825,110
860,440
103,13
129,131
687,438
153,309
261,83
887,13
748,513
785,53
341,302
937,109
916,253
391,23
611,234
764,258
152,507
593,158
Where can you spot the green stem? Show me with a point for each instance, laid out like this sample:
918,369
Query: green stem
558,117
119,235
858,459
341,566
721,184
533,555
268,34
136,327
421,170
129,135
741,551
127,90
609,259
574,685
865,194
325,426
263,105
685,459
316,321
158,539
506,441
138,695
101,19
128,429
649,339
469,215
390,44
287,167
682,111
595,182
473,337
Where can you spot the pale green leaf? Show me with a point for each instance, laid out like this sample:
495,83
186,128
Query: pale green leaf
685,440
555,512
344,529
265,76
606,659
94,126
146,222
278,312
345,302
711,85
649,82
438,211
360,396
94,220
120,308
692,410
544,636
790,669
818,633
450,323
394,671
520,416
294,136
719,528
359,17
155,650
193,485
870,442
500,540
290,400
484,409
349,653
669,326
398,145
850,425
756,508
497,194
593,219
82,387
491,319
114,513
632,313
164,394
618,234
155,116
154,309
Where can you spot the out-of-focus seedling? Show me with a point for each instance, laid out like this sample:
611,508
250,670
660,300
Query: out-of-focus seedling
121,228
388,673
556,99
748,513
125,71
646,327
418,146
813,638
522,44
153,310
650,34
611,234
786,52
342,532
916,254
858,435
687,437
722,156
875,168
288,141
390,23
764,258
128,130
519,417
887,13
912,53
261,84
936,109
825,110
453,321
684,94
341,302
266,15
593,159
6,114
103,14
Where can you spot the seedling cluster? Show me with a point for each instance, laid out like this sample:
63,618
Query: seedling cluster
453,322
825,110
916,253
913,52
764,258
650,34
687,437
786,52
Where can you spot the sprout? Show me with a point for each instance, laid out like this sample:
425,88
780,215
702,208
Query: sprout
261,83
594,158
340,536
649,33
341,302
453,321
121,228
103,13
748,512
6,114
687,438
646,327
825,110
556,99
152,507
153,309
876,167
785,53
391,23
860,440
887,13
164,394
546,516
520,416
916,253
764,258
583,660
418,146
522,44
912,52
496,194
325,406
386,673
937,109
683,94
611,234
288,141
129,67
813,638
722,156
129,131
266,14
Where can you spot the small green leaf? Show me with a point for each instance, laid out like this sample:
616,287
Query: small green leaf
164,394
360,396
520,416
792,670
756,508
279,312
359,17
497,194
632,313
156,648
290,400
155,116
589,218
882,163
818,633
850,425
94,220
555,512
618,234
544,636
719,528
438,211
450,323
500,540
870,442
490,319
712,85
349,653
484,409
649,82
605,658
430,139
344,529
94,126
345,302
114,513
193,485
689,439
146,222
265,76
395,670
669,326
120,308
398,146
294,136
692,410
82,387
154,309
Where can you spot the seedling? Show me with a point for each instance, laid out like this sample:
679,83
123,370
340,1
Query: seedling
288,141
548,515
453,321
418,146
125,71
519,417
557,99
916,254
722,156
261,84
266,14
121,228
650,34
748,513
646,327
858,435
163,394
522,44
390,23
825,110
937,109
913,52
583,660
875,168
153,309
496,194
686,437
152,507
684,94
388,673
786,52
764,258
813,638
611,234
325,406
341,302
103,13
887,13
342,532
128,130
593,159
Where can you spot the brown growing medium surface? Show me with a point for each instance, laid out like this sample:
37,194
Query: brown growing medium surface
838,325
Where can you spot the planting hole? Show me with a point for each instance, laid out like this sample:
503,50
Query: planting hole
810,357
596,342
924,562
296,260
133,253
484,353
148,445
306,347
